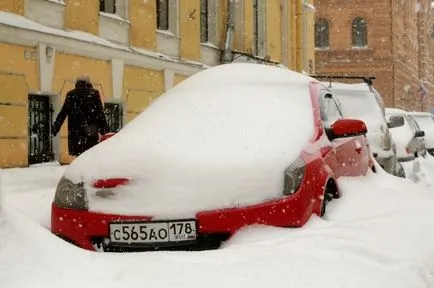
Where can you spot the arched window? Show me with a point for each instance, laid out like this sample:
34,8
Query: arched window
321,33
359,32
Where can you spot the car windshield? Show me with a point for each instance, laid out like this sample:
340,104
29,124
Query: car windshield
425,122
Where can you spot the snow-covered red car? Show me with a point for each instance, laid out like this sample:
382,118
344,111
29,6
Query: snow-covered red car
234,145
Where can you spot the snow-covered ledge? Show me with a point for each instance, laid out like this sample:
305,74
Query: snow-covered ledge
16,29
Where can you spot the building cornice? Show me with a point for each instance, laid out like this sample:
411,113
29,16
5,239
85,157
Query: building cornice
131,57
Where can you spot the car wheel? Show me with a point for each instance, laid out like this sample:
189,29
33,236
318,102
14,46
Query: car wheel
400,172
329,194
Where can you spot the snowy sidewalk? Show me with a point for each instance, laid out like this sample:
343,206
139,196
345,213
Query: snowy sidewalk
379,234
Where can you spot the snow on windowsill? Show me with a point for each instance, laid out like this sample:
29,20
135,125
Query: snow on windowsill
360,47
209,45
167,34
61,2
114,17
322,48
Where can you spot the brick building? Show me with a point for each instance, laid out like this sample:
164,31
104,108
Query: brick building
388,39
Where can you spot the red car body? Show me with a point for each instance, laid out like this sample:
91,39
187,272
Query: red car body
326,160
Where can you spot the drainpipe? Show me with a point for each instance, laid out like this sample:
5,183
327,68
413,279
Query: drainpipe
227,52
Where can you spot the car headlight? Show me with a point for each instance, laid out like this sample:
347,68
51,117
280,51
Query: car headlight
70,195
293,176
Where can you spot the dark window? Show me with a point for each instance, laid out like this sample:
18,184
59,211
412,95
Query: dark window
114,114
321,33
163,15
359,32
203,21
107,6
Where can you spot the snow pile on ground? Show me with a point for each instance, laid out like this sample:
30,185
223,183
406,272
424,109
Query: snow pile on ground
420,170
379,234
240,125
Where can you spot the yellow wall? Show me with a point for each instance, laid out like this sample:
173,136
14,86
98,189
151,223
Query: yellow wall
222,22
248,26
13,121
66,68
189,29
140,87
292,41
274,30
143,19
12,60
17,76
298,35
13,6
82,15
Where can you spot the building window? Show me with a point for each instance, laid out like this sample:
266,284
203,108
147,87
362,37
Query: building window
321,33
204,24
259,28
359,32
163,15
107,6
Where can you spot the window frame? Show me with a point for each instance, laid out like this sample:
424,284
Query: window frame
318,37
104,4
204,21
259,28
359,32
163,24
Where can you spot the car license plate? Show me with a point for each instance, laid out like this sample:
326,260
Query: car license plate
152,232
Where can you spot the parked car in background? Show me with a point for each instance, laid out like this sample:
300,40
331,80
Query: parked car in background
236,144
362,101
408,136
426,124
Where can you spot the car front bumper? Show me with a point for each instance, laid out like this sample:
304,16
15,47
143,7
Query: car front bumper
90,230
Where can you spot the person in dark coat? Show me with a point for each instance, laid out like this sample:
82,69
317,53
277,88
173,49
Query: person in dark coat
86,118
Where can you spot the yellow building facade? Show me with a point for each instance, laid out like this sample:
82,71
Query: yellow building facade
133,50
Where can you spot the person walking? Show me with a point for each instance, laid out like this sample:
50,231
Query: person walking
86,118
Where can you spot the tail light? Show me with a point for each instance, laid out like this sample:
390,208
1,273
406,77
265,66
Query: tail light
110,183
408,150
105,186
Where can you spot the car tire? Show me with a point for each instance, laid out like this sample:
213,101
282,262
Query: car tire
400,172
328,196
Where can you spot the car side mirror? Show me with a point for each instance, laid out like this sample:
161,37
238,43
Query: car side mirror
419,134
395,121
346,128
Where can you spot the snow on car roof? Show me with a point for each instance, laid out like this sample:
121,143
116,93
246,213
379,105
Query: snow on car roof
221,138
417,113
